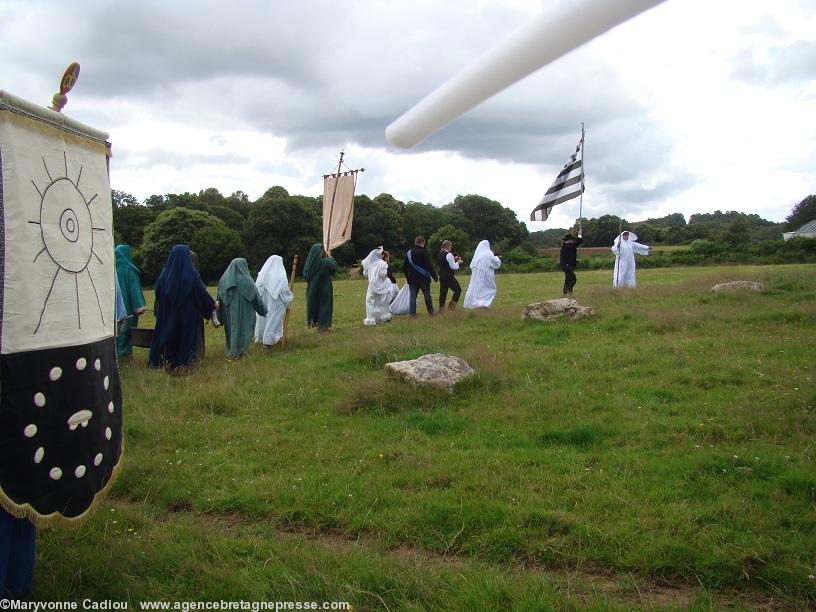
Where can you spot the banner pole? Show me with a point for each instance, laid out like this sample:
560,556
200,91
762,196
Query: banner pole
288,309
331,208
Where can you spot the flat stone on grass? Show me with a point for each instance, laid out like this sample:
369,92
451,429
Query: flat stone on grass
435,370
557,309
740,285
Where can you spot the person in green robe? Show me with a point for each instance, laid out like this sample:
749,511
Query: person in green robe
318,271
128,275
238,302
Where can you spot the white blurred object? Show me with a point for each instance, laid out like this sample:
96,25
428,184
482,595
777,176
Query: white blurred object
563,26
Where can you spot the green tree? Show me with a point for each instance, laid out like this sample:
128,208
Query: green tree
122,198
646,232
215,244
802,213
486,219
374,225
603,230
129,223
420,220
459,238
282,225
738,233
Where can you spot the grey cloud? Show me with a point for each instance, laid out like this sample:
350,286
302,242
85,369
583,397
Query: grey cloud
165,157
792,64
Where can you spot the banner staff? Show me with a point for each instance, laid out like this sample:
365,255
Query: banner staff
331,208
288,310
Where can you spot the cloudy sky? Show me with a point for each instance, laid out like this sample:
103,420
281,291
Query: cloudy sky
690,107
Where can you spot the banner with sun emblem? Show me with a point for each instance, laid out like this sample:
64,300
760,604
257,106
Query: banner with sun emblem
60,402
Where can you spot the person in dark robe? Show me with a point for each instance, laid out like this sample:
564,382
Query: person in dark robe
238,303
17,542
419,272
568,259
199,350
131,291
318,271
182,301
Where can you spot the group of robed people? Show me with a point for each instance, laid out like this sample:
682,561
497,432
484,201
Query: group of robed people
384,299
255,308
248,309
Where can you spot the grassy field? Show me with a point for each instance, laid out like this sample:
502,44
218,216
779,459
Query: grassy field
657,456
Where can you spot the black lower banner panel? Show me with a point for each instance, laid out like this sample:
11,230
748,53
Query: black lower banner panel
60,428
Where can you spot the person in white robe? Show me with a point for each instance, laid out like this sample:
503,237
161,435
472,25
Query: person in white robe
273,287
482,287
625,248
381,290
401,305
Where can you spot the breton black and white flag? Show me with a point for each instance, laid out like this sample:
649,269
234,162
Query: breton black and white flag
567,185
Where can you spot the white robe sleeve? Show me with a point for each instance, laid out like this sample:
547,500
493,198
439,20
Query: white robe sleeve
641,249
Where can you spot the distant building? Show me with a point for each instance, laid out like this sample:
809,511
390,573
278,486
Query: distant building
808,230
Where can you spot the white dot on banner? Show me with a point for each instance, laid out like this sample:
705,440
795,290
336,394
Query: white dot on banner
98,365
55,473
55,373
106,382
81,363
38,456
79,472
39,400
108,433
30,431
98,459
110,407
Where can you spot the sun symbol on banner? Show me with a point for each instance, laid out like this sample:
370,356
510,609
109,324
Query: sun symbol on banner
67,231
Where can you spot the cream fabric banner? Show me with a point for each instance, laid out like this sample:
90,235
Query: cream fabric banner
58,286
337,219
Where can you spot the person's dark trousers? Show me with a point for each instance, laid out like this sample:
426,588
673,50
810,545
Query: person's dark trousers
569,279
16,556
453,285
412,302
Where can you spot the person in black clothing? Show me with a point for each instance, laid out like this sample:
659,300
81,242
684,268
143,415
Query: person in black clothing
448,262
386,255
569,259
418,272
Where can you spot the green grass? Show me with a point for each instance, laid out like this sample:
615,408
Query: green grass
659,455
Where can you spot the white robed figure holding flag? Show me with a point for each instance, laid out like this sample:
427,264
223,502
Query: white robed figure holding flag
625,248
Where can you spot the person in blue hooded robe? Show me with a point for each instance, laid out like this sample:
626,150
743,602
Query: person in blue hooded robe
182,301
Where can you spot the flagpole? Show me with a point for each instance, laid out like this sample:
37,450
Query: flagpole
618,254
331,208
583,164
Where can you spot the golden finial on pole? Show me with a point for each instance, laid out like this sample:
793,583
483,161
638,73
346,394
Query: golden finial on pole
69,79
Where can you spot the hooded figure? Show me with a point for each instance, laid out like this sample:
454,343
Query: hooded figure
318,271
625,248
182,301
482,287
276,296
238,302
128,276
381,290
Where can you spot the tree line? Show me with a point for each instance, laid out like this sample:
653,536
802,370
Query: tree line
220,228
